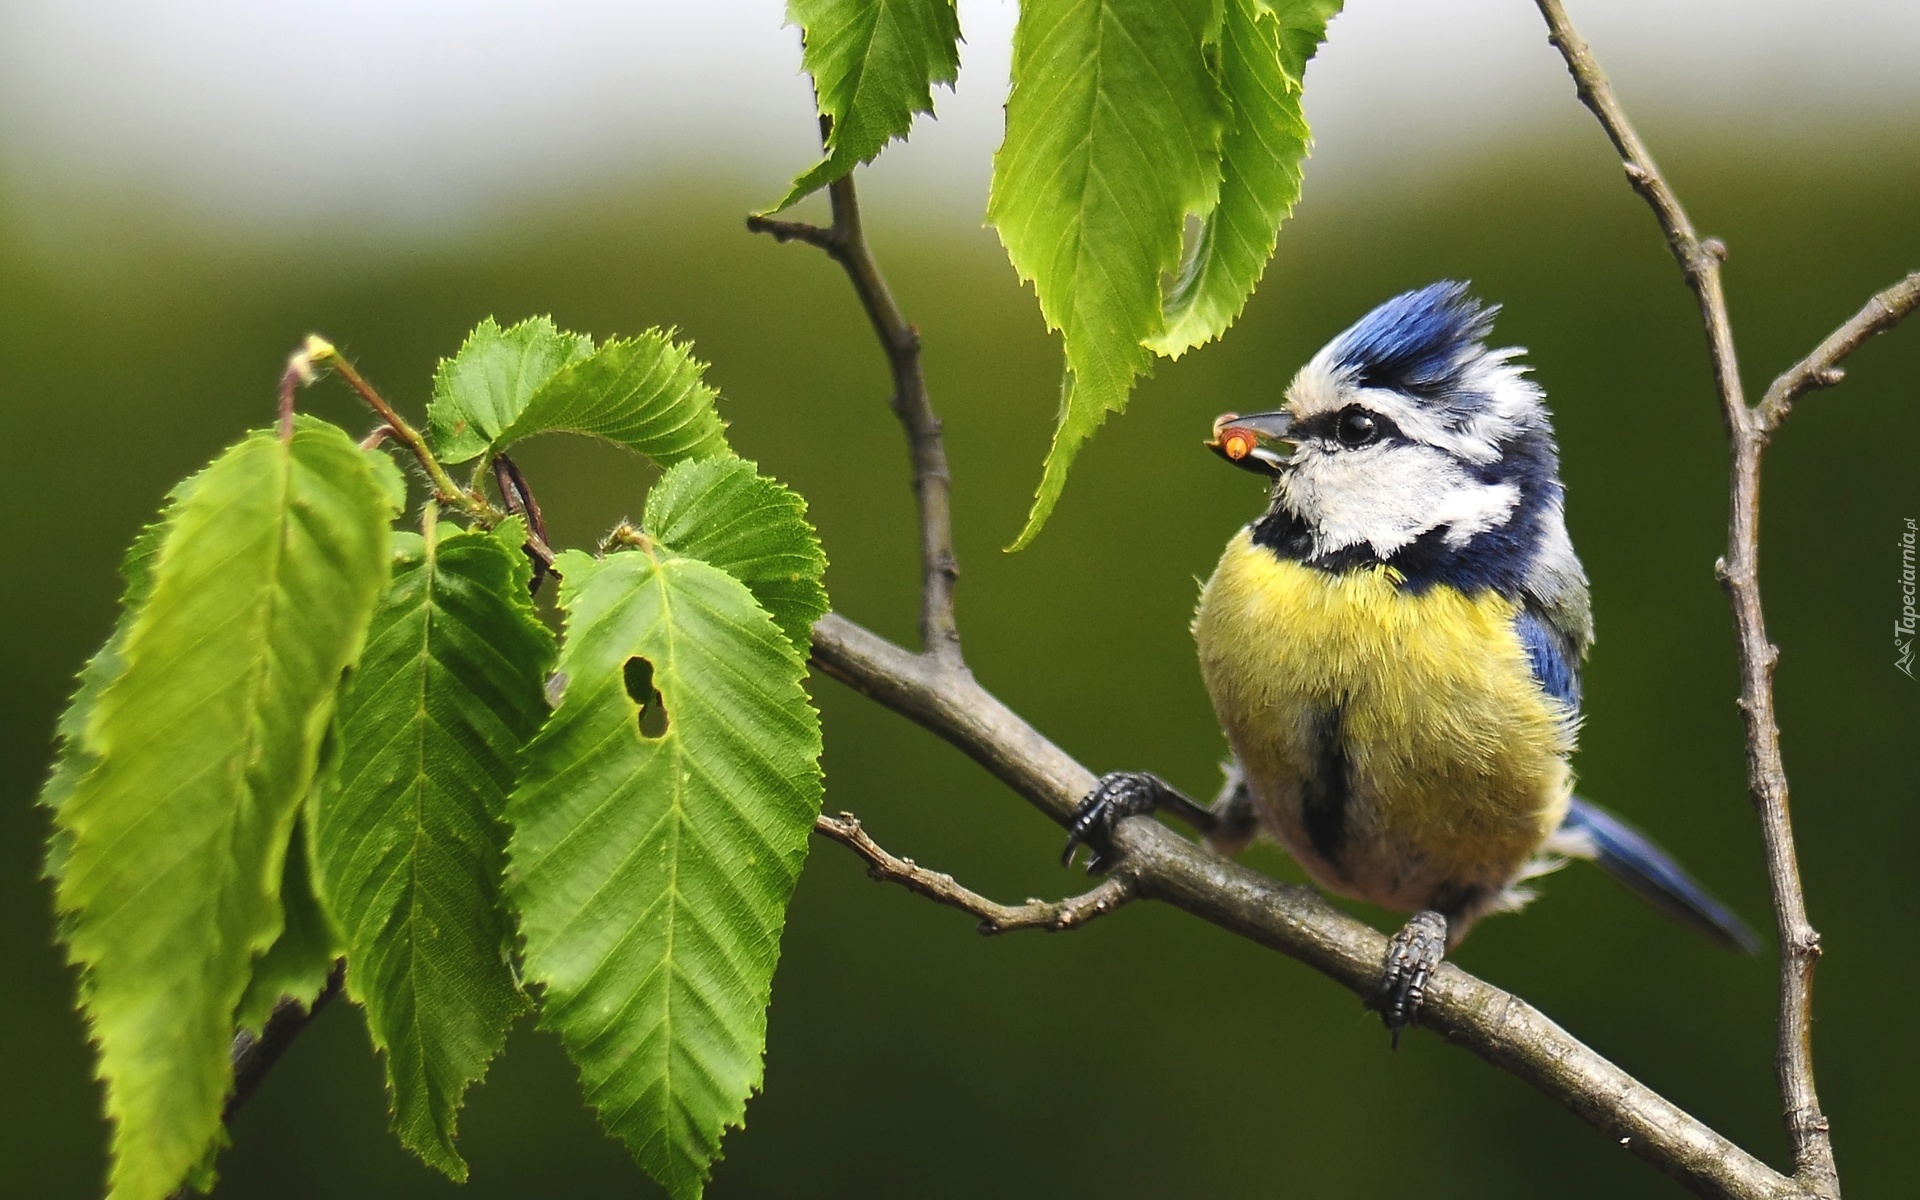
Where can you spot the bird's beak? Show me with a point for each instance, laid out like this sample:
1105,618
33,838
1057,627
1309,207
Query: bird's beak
1237,439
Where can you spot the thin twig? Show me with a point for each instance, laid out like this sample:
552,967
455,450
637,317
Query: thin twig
1497,1026
819,237
318,352
1748,430
1053,916
1821,369
845,241
514,491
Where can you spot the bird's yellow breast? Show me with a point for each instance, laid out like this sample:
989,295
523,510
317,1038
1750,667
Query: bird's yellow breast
1452,759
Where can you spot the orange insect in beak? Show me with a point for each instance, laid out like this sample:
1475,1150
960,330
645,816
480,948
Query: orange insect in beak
1237,439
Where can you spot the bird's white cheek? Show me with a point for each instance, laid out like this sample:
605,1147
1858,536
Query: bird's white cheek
1388,497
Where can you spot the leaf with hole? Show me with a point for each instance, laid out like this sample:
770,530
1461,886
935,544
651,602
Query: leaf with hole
874,64
201,731
409,834
652,864
721,511
1113,140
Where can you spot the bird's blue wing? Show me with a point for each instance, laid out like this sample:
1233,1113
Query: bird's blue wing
1625,853
1555,665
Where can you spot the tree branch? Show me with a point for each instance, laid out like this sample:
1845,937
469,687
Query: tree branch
1821,369
1699,258
1054,917
1497,1026
1748,430
845,241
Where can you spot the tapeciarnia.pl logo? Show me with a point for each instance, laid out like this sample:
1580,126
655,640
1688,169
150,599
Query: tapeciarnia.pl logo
1904,624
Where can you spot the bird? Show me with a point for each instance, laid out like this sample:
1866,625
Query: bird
1394,647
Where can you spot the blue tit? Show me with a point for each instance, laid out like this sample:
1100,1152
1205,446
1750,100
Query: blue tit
1394,647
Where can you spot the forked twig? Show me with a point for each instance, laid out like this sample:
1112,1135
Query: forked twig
1748,430
1821,369
1053,916
845,241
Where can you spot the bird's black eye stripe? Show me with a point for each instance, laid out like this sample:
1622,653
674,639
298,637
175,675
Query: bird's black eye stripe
1352,427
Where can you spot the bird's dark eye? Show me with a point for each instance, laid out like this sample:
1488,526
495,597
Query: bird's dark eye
1357,427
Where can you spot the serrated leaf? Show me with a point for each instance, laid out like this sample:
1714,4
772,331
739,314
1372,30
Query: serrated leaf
652,873
874,64
198,750
721,511
1113,140
73,760
1264,48
486,386
409,833
644,393
296,966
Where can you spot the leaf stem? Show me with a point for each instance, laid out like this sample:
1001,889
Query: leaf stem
318,351
514,490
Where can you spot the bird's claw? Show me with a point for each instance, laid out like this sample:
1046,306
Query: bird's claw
1118,795
1413,954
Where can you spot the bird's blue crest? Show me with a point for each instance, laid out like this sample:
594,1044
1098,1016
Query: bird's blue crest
1419,342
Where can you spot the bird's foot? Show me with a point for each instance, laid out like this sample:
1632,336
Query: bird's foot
1413,954
1118,795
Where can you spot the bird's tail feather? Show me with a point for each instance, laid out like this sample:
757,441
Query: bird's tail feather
1591,832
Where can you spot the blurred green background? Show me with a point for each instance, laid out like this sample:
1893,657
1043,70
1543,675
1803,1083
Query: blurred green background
1148,1055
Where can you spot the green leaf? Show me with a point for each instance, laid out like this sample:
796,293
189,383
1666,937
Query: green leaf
1264,48
1113,140
408,835
719,510
74,760
874,64
197,748
481,390
296,966
652,863
644,393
